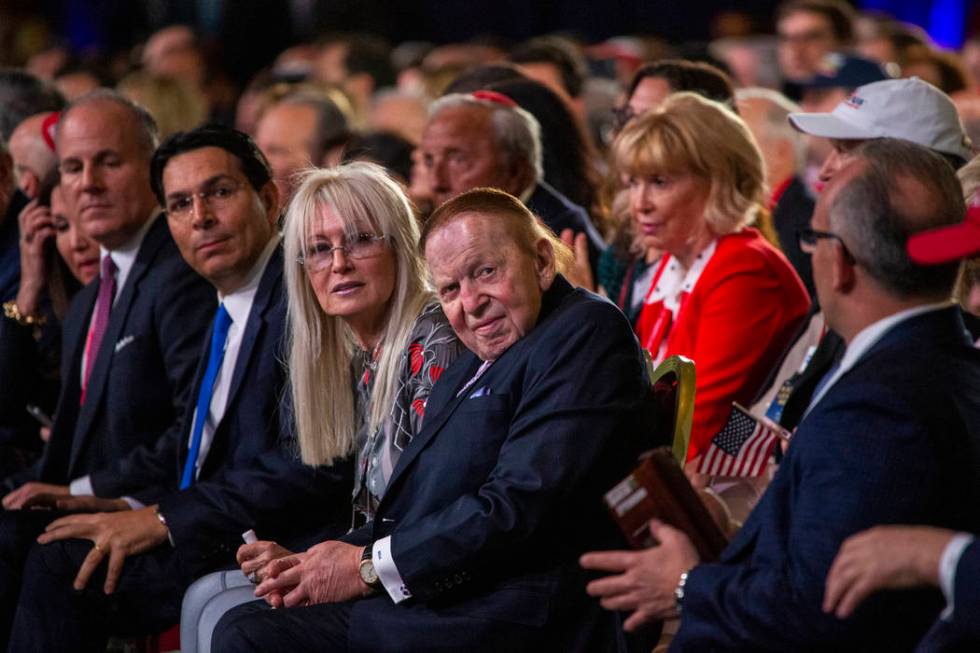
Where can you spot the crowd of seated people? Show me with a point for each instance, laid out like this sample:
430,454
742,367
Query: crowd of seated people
353,364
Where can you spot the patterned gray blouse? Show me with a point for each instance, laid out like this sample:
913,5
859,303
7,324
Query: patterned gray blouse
432,347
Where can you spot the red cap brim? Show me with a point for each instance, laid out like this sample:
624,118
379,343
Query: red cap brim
947,244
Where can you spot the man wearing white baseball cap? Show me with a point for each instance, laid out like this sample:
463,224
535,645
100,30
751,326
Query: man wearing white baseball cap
910,109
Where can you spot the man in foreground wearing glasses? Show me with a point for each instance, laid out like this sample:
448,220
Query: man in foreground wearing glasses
186,501
890,437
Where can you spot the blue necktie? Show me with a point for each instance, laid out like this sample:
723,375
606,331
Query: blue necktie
222,322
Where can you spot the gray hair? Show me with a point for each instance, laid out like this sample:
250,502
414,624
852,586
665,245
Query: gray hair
902,188
149,135
332,125
516,131
23,95
776,124
969,176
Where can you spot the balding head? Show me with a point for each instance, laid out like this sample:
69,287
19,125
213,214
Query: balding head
897,189
490,262
35,162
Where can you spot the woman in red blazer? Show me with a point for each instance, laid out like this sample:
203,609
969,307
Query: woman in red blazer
721,295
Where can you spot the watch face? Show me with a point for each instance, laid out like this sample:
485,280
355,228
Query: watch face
368,575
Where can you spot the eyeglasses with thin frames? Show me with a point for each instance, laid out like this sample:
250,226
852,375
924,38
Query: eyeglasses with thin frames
808,239
216,197
319,256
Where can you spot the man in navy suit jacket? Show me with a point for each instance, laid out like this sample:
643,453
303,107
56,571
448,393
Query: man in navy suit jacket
178,518
474,545
890,437
137,381
892,557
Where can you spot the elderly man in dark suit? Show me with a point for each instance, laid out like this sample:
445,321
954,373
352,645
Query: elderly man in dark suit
890,436
130,339
475,542
228,469
485,140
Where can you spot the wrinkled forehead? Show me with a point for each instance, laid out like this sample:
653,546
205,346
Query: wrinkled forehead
469,237
464,123
96,126
189,169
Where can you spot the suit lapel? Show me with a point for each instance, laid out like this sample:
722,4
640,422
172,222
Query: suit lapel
57,453
188,422
265,297
434,424
501,369
152,242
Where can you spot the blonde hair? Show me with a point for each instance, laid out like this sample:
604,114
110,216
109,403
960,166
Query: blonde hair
320,346
689,133
175,105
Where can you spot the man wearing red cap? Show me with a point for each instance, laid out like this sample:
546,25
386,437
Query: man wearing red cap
895,557
892,435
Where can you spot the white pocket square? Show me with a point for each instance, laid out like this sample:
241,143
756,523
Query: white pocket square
123,342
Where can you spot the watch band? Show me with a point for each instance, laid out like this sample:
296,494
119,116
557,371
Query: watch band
366,569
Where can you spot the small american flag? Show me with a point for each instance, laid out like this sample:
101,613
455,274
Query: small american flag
741,448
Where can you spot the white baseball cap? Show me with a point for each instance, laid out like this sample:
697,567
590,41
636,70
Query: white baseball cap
895,108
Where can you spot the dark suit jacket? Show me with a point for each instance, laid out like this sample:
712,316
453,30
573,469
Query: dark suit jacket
493,501
143,371
894,441
250,477
28,375
792,213
10,247
559,213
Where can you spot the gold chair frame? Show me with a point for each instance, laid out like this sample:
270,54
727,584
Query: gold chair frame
682,369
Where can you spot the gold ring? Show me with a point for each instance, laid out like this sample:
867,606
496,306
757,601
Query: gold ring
99,549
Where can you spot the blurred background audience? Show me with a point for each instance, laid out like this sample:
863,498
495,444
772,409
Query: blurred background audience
678,151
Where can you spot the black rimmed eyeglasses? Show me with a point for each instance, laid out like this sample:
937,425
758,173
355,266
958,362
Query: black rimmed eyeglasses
808,241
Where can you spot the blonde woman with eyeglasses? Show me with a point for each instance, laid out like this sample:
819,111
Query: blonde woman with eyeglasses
367,342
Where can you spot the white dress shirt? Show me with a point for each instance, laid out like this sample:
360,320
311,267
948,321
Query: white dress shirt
948,563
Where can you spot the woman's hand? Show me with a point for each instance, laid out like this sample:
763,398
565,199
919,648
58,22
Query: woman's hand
581,272
253,558
36,228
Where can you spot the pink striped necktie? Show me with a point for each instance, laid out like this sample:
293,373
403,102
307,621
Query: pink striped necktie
103,307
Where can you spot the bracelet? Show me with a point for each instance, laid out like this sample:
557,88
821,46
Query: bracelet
12,311
163,520
679,591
